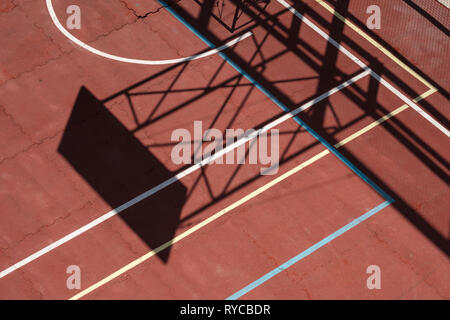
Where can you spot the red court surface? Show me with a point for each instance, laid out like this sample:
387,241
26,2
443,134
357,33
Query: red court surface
87,176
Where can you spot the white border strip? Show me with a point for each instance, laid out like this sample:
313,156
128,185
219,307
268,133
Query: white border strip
364,66
55,20
445,3
180,175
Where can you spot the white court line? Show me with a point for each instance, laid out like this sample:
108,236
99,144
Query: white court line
445,3
395,91
55,20
182,174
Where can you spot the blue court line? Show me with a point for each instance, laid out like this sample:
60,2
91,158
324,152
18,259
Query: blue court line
331,148
280,105
308,251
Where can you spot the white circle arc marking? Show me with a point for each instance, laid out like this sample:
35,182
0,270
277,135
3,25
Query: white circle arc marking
52,13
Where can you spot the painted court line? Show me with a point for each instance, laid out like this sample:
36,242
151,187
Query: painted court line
233,206
180,175
445,3
412,104
364,66
315,247
85,46
308,251
281,105
197,227
323,242
375,44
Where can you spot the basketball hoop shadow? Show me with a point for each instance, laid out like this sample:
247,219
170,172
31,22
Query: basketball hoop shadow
229,15
118,167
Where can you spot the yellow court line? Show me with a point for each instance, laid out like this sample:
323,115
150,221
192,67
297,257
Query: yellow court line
243,200
376,44
382,119
200,225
